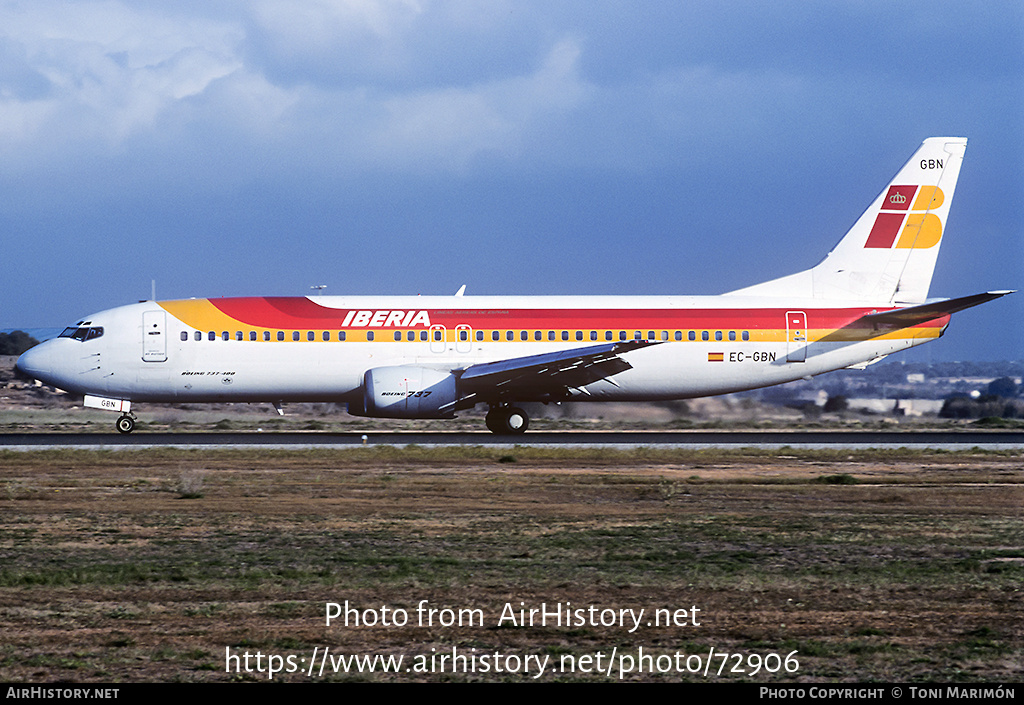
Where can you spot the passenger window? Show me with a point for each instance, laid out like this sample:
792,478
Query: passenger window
537,335
510,335
692,335
238,335
479,335
593,335
607,335
310,335
225,335
718,335
266,335
198,335
280,335
211,335
524,335
463,335
551,335
327,335
369,336
295,335
746,335
650,335
495,335
622,335
341,336
704,335
423,335
565,335
679,335
579,334
411,336
184,335
398,336
732,335
437,335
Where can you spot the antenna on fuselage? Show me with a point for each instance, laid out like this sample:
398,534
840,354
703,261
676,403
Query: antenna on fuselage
153,289
318,288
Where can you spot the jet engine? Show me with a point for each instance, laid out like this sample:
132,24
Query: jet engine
407,392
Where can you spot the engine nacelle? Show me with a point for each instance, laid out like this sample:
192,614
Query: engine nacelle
407,392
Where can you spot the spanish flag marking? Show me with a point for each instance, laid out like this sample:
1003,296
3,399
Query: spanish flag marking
716,357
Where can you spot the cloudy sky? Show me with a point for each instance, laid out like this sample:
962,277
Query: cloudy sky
230,147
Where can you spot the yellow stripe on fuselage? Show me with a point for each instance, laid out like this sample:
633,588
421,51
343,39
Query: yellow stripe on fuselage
202,315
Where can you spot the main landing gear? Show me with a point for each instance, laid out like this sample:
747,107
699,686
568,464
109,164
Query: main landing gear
125,423
507,420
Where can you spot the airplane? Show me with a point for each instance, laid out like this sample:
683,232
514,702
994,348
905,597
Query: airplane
425,357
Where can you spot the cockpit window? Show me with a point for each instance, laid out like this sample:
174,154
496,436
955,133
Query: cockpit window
82,334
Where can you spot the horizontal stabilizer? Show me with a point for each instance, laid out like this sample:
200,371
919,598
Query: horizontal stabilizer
912,315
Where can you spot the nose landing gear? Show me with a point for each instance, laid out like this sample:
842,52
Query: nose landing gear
125,423
507,420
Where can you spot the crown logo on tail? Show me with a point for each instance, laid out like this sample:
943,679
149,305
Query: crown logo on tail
917,229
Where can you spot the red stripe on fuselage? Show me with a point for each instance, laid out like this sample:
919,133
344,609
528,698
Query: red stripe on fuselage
297,313
280,312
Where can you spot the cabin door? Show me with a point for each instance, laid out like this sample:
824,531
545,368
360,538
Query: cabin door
796,336
154,336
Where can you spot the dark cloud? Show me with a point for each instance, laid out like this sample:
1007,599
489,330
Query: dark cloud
524,147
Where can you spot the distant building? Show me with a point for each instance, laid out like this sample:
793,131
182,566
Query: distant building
903,407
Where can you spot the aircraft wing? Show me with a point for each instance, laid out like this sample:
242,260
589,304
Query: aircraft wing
912,315
549,375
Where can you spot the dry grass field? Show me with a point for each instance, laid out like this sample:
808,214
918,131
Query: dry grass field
888,565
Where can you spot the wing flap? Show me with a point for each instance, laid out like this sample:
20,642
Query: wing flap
548,374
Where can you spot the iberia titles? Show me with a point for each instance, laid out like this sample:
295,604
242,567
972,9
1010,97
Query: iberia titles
386,319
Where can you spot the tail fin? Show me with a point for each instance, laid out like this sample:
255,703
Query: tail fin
889,254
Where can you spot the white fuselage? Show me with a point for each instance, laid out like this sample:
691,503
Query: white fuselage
209,364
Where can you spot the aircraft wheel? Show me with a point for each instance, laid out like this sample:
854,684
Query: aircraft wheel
508,421
516,421
493,420
125,424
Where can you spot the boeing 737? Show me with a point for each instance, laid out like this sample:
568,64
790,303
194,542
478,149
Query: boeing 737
413,357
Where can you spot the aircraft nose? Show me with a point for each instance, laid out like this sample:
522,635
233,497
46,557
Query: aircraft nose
37,363
25,363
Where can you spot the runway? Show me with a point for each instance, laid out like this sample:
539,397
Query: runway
947,440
